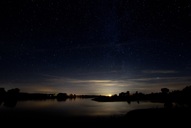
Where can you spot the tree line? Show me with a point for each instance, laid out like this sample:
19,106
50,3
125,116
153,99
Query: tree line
182,97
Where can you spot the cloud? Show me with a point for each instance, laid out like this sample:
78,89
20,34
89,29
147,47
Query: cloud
100,85
151,79
89,82
159,71
140,81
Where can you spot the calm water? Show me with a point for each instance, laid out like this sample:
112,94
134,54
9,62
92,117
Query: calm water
80,107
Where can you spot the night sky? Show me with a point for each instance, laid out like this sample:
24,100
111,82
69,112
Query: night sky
95,46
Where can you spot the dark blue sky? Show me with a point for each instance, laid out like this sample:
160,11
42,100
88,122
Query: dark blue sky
95,46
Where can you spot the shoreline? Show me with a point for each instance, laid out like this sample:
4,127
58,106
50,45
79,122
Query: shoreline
137,117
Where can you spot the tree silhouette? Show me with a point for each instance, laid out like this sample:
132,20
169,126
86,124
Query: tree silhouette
164,90
61,96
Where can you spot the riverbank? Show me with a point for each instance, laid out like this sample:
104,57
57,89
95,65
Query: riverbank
140,117
161,116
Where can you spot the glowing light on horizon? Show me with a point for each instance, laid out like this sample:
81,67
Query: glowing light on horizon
109,95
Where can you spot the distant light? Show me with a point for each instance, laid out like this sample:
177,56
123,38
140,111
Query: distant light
109,95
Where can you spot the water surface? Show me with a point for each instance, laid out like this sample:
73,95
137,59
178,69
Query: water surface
79,107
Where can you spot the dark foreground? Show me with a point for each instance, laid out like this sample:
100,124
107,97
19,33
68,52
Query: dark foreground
137,118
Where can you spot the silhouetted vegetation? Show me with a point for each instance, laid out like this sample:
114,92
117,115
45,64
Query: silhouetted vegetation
181,97
61,96
155,115
10,97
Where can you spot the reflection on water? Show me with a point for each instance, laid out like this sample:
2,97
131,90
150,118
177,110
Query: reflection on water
80,107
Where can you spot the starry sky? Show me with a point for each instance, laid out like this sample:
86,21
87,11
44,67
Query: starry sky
95,46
